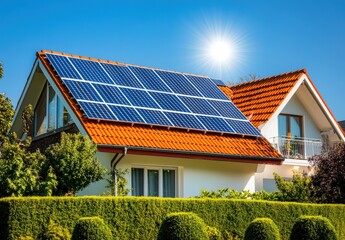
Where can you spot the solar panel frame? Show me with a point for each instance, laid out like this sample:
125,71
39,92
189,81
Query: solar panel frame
185,120
127,114
97,111
111,94
154,117
199,105
139,98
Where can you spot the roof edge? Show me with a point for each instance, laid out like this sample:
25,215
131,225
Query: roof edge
190,154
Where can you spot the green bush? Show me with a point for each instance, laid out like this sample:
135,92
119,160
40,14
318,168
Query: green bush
91,228
313,228
140,217
56,232
213,233
262,229
183,226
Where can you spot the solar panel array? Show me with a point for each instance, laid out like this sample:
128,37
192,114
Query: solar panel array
144,95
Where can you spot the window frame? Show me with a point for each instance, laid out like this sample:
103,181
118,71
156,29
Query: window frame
288,124
160,178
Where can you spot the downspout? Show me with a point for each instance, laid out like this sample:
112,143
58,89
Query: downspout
114,163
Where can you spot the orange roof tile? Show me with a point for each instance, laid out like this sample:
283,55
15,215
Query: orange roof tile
155,140
259,99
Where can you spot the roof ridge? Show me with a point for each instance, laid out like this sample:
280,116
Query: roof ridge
302,70
116,63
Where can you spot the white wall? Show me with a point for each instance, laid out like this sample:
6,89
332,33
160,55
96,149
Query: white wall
195,175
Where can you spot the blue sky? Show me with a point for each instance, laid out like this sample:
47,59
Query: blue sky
268,37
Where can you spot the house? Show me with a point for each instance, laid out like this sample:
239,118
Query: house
177,133
290,112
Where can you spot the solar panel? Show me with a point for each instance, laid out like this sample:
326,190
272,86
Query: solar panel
111,94
139,98
154,117
82,90
97,111
178,83
206,87
126,114
91,71
199,105
215,124
143,95
218,82
150,79
184,120
63,66
227,109
169,102
121,75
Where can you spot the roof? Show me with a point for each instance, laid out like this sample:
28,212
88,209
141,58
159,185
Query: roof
113,136
259,99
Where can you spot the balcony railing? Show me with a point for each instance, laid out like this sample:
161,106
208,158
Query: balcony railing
297,148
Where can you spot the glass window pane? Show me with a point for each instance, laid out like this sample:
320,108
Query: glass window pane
60,109
66,117
282,125
40,113
137,182
153,187
295,125
169,183
52,109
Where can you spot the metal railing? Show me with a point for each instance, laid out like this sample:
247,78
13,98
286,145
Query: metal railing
297,148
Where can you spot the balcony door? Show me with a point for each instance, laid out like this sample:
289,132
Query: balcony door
291,135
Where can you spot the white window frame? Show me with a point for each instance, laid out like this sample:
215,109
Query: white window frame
160,177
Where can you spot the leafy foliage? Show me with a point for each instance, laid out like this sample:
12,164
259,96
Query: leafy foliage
183,226
121,180
298,189
74,164
91,228
329,176
6,116
233,194
140,218
262,229
56,232
20,171
1,70
27,118
313,228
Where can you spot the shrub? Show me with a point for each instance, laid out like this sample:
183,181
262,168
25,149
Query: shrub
214,233
56,232
91,228
183,226
262,229
313,228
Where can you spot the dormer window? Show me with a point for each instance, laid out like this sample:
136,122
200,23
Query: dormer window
50,114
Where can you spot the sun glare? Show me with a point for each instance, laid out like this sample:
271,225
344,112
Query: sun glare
220,51
219,46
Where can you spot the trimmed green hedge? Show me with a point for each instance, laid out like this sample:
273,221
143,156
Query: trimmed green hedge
140,218
313,228
262,229
91,228
183,226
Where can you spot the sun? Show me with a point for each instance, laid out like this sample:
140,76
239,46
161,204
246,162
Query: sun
220,51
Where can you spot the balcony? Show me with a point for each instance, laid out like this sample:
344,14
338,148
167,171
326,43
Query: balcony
297,148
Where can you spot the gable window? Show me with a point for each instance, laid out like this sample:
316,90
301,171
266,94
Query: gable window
290,126
291,143
154,181
50,113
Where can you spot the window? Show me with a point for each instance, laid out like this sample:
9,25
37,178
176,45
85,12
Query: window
290,126
154,181
50,113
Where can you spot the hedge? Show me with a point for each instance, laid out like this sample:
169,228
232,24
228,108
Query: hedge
262,229
140,217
